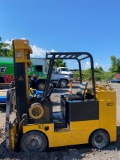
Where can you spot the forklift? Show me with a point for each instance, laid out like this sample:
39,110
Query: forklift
88,116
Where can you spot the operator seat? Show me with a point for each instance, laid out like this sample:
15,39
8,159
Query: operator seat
81,89
79,94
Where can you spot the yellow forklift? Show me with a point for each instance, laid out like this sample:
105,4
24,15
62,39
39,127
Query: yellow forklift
88,116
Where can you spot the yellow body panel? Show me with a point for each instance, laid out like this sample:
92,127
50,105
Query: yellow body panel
107,111
13,132
78,134
80,131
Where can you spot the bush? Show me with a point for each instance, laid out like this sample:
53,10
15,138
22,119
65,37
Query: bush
99,75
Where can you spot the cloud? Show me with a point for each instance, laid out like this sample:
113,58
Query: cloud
40,53
96,65
85,65
37,51
8,42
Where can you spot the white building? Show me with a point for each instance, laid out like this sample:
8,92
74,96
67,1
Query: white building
41,62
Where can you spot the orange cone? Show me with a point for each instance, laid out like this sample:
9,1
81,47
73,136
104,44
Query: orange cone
70,90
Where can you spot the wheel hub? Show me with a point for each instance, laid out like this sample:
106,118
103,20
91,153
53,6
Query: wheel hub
99,139
63,84
33,143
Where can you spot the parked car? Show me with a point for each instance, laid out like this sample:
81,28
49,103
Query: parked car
109,80
116,80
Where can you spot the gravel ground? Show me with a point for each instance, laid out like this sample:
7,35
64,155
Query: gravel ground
84,152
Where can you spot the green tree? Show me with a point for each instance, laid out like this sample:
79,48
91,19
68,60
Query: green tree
99,73
59,63
5,49
100,68
115,65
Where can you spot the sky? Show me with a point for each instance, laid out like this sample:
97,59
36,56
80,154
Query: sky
65,26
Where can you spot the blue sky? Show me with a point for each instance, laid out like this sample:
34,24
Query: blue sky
65,25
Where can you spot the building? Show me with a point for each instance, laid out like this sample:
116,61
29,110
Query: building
40,62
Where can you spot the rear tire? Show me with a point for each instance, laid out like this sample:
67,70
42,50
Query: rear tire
99,139
33,141
63,83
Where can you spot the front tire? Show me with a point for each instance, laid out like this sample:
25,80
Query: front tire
99,139
33,141
63,83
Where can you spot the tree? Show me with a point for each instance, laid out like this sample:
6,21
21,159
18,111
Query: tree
5,49
100,68
115,65
59,63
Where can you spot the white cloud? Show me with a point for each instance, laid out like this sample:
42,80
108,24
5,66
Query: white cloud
96,65
85,65
23,38
8,42
39,52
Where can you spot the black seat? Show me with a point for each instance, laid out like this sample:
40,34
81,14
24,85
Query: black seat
79,95
82,88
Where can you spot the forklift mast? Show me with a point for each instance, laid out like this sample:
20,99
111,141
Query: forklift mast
21,54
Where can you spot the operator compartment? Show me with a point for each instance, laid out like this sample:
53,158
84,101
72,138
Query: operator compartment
61,118
76,107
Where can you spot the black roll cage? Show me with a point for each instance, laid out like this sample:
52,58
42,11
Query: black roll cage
79,56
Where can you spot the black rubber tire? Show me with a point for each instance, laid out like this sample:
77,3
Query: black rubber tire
99,139
33,141
40,85
63,83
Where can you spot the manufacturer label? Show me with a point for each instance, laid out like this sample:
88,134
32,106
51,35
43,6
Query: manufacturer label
110,103
2,69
